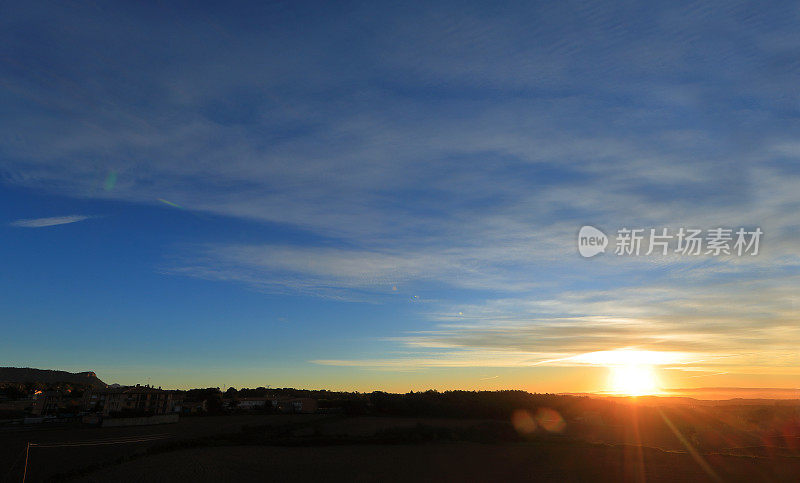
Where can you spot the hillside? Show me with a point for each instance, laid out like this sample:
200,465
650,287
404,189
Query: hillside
27,374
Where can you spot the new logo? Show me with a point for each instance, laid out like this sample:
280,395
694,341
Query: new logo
591,241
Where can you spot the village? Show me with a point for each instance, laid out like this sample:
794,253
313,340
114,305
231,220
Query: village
117,405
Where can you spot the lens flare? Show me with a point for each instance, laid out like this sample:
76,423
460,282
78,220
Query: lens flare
550,420
523,422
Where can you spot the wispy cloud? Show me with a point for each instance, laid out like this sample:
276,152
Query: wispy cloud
465,157
700,325
51,221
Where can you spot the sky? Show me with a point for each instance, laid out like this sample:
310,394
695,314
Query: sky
375,195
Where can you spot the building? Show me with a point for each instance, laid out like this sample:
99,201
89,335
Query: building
295,405
251,403
131,399
192,407
46,403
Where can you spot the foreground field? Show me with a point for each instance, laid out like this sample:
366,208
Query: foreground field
442,462
46,463
693,447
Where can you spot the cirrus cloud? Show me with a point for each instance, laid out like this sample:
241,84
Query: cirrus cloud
50,221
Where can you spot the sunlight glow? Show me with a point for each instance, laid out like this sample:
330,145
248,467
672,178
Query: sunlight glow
632,371
633,380
627,357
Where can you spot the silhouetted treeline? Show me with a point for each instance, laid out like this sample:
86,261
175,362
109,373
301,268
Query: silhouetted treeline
232,392
467,404
454,404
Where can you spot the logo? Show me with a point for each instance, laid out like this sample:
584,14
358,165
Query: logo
668,241
591,241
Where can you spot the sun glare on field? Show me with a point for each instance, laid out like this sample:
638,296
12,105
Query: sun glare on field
633,380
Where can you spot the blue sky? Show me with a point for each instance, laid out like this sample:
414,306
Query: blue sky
387,196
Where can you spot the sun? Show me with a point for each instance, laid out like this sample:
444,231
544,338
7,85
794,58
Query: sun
633,380
632,372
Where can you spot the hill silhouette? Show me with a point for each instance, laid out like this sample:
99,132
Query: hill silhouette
48,376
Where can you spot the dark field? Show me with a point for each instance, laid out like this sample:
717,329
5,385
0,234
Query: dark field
441,462
47,462
623,442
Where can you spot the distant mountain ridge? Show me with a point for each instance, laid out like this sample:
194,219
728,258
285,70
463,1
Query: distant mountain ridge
47,376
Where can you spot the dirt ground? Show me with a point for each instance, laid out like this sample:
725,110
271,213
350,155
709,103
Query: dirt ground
46,462
441,462
307,460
